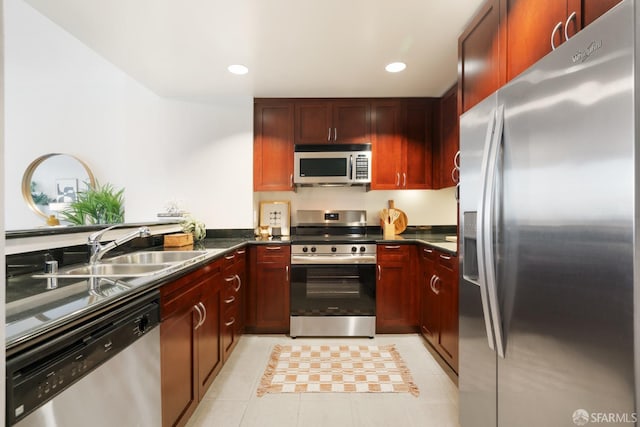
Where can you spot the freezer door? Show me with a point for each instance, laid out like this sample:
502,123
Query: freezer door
566,231
477,362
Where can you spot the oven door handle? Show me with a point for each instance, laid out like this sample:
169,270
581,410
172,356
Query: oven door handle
329,259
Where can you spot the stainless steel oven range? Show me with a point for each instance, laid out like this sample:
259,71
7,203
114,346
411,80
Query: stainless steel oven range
333,278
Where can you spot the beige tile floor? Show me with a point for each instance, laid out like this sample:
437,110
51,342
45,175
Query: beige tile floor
231,401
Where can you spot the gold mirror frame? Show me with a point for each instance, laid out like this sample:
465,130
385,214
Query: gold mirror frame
28,176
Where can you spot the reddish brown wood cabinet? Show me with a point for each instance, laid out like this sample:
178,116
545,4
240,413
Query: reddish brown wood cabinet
439,302
268,292
396,295
190,343
232,302
320,121
481,67
387,144
593,9
273,145
445,148
508,36
532,27
402,134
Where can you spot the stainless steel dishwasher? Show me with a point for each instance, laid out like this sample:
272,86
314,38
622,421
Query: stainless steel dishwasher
103,372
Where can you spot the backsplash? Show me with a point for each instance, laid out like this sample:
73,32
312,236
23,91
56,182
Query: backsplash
423,207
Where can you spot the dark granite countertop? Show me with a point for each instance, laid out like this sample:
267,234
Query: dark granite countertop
32,312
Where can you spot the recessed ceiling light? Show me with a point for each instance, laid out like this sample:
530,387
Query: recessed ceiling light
238,69
395,67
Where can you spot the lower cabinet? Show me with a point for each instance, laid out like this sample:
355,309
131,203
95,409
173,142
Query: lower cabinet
231,309
267,306
439,302
396,296
190,341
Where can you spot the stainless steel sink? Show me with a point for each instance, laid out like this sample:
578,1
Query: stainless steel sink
155,257
109,270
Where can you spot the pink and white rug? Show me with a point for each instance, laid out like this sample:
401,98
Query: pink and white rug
335,369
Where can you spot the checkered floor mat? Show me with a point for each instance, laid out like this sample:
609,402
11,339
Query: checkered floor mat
336,368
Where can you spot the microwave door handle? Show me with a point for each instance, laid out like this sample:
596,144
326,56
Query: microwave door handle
351,168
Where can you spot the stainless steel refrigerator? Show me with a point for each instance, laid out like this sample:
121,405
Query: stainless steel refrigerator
549,202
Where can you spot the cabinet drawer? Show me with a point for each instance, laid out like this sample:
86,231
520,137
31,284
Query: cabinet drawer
180,301
229,286
389,252
428,253
171,290
447,261
274,254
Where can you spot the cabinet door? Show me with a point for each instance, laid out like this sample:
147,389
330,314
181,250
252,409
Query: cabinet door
419,132
593,9
313,122
272,288
447,287
430,307
448,144
386,138
209,339
395,290
179,360
273,146
351,122
480,66
530,27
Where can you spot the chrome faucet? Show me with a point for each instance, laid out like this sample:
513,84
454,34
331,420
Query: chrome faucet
98,250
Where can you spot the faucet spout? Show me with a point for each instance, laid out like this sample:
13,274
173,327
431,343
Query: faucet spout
99,250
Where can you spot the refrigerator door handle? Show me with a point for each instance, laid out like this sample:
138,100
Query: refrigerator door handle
480,247
489,197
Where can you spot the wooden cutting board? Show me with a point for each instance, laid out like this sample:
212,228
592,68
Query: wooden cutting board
402,221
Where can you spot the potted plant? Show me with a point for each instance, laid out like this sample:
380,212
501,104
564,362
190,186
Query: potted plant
100,204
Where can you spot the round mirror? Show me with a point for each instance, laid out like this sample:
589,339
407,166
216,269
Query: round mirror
53,181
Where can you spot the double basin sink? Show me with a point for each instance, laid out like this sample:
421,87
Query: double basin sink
136,264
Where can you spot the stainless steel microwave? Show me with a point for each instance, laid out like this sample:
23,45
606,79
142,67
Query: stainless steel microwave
332,165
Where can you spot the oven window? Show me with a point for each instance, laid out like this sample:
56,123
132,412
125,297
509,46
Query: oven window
333,290
323,167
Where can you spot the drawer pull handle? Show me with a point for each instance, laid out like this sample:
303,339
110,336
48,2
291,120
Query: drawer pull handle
445,257
230,257
200,317
429,251
241,251
274,248
392,247
230,300
379,272
231,322
237,288
230,279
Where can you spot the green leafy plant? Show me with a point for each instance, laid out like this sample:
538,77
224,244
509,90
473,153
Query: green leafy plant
101,204
39,198
195,227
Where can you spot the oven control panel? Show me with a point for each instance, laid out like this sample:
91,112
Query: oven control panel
328,253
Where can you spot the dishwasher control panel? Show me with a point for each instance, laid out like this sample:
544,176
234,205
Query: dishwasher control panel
35,377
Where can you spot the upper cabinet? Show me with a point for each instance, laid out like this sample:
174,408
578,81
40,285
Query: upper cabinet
402,134
481,68
332,121
273,145
508,36
445,148
536,27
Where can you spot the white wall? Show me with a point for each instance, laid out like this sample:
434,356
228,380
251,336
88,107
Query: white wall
423,207
61,96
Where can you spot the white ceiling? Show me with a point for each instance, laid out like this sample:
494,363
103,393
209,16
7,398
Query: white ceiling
293,48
